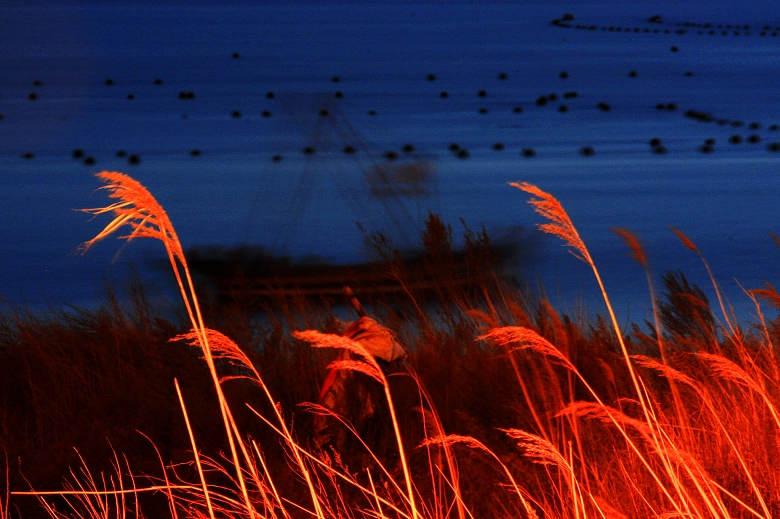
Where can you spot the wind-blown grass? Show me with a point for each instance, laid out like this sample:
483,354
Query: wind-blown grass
503,408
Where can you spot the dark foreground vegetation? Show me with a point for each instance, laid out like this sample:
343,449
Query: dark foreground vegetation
502,408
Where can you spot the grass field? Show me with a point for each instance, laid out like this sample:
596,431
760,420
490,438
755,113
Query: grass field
502,408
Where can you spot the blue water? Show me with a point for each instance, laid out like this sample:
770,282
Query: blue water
382,52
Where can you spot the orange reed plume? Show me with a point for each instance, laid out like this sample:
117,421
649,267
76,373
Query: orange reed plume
676,464
728,317
367,364
561,225
137,208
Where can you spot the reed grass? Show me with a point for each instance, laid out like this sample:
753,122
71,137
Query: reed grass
503,408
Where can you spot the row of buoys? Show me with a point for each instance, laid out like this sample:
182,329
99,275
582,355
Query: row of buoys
459,152
89,160
615,28
738,139
708,117
132,158
727,27
483,93
682,28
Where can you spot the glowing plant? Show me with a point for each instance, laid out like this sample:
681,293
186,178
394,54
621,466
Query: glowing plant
146,218
693,433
